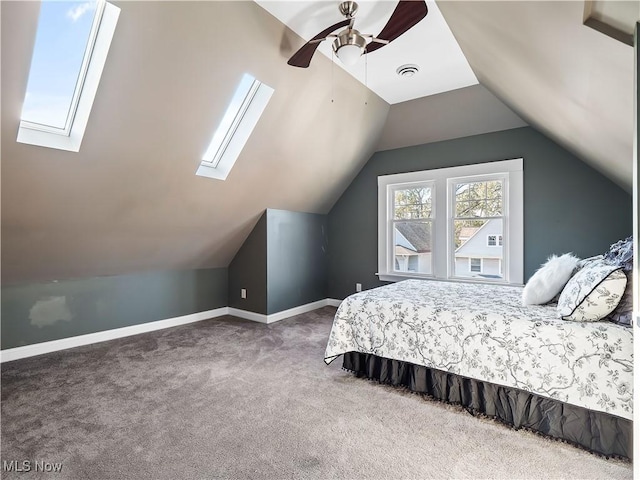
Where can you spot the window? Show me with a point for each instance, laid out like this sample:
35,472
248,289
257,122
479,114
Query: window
71,47
459,224
477,206
475,265
494,240
411,228
241,117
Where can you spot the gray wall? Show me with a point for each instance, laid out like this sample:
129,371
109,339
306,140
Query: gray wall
248,269
39,312
282,264
296,259
568,206
457,113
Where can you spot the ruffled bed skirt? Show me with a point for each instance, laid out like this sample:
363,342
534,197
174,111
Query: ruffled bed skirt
595,431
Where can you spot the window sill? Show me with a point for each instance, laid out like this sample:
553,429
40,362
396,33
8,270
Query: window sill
395,277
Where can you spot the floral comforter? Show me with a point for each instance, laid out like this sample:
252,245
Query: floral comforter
484,332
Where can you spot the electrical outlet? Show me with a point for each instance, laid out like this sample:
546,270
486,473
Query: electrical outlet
358,287
243,293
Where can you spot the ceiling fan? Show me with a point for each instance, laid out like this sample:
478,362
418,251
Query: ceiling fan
350,44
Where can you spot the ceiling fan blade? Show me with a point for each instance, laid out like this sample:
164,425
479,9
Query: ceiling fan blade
406,15
302,58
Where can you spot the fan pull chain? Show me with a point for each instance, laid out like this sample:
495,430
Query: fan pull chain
366,69
332,66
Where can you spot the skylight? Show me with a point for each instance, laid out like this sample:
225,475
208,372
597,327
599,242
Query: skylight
242,115
71,47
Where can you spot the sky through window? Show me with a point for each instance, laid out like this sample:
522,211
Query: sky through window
64,31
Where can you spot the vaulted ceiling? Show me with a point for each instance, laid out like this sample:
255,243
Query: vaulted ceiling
570,81
130,200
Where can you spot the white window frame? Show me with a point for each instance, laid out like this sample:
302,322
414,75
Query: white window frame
451,182
481,264
241,117
390,260
70,137
443,250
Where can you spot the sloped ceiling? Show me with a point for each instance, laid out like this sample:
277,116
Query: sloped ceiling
570,81
130,200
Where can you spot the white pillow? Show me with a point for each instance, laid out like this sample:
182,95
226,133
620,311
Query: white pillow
548,281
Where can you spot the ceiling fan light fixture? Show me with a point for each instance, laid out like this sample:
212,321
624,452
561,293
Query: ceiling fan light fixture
349,46
406,14
349,54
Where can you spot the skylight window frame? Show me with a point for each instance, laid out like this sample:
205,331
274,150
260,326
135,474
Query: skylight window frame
237,120
70,137
240,119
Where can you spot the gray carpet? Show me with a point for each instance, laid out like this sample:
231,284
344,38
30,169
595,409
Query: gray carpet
228,398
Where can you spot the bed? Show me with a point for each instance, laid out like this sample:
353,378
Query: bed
476,345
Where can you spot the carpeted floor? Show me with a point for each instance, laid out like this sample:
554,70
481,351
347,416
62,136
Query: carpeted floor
229,398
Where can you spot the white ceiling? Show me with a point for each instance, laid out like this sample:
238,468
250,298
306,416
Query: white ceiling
430,45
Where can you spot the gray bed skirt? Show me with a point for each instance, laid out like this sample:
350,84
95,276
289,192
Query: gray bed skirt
595,431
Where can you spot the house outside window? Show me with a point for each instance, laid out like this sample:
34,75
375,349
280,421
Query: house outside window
478,206
411,226
459,224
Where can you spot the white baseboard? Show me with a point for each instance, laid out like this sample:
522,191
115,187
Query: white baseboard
80,340
247,315
333,302
275,317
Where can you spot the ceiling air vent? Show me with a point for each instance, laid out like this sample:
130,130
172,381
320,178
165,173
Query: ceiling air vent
408,70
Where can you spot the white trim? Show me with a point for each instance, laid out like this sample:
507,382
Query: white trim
636,236
513,219
97,337
388,256
275,317
247,315
72,141
235,129
17,353
398,278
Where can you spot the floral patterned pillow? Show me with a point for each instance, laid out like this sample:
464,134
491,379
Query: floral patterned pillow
621,254
624,311
592,293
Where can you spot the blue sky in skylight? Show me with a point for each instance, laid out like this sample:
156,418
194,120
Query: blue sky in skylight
63,34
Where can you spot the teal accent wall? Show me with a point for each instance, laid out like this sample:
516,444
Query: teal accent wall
248,270
40,312
297,257
282,264
568,206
